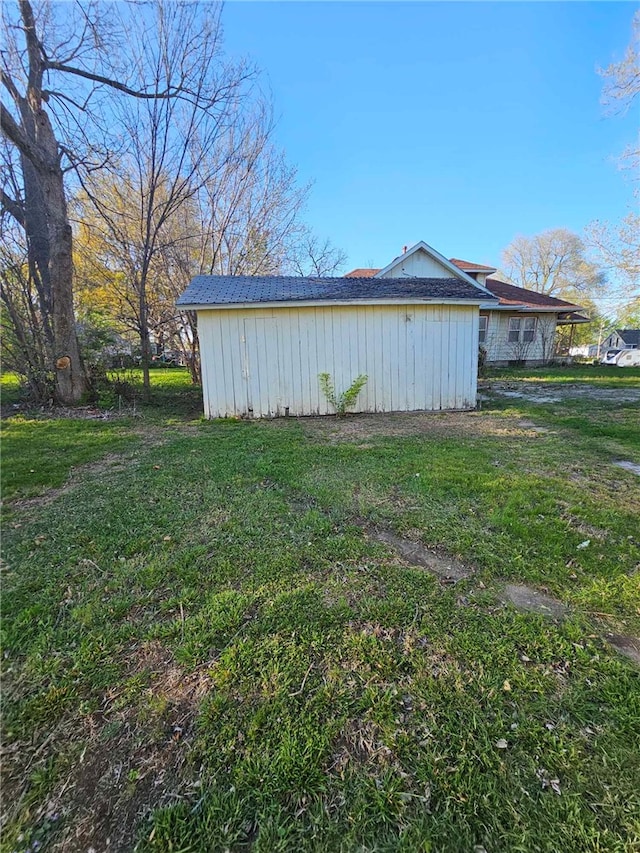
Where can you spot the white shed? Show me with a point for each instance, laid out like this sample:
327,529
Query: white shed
264,340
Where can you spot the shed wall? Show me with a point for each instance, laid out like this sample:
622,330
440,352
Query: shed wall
265,362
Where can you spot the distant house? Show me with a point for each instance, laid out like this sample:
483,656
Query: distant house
622,339
521,327
412,328
585,351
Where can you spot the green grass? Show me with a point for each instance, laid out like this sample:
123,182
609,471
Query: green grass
38,454
602,375
9,388
327,697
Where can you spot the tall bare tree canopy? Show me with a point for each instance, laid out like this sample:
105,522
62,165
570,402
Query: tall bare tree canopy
64,79
622,79
617,245
166,147
553,262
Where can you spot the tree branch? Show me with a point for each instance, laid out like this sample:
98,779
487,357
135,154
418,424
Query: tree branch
13,207
171,92
15,134
10,86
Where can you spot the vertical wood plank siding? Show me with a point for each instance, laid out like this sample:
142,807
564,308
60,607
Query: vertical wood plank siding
263,362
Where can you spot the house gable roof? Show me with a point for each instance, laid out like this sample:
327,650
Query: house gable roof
508,295
465,266
631,337
434,255
210,291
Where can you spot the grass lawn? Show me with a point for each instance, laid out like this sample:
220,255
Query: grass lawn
599,374
206,648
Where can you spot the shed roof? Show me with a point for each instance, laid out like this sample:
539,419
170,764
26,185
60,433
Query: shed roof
211,290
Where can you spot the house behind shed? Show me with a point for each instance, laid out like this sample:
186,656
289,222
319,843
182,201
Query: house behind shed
264,340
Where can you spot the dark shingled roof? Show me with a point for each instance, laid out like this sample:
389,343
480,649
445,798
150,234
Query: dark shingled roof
243,289
631,337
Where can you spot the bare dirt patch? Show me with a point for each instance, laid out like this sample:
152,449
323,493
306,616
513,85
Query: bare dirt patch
627,646
444,566
82,413
556,392
521,596
120,761
360,743
530,600
628,466
360,429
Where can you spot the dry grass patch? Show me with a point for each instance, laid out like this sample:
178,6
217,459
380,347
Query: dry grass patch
361,428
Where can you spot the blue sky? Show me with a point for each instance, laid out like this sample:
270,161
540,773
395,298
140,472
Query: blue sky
462,124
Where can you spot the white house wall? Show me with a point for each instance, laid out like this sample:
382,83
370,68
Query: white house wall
419,264
265,362
497,344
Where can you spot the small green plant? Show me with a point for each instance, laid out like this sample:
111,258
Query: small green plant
341,402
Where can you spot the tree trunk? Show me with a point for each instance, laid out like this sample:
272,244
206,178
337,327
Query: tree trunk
51,243
46,223
194,360
145,341
67,364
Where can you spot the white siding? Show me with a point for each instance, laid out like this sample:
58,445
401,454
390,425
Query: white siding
497,344
265,362
419,264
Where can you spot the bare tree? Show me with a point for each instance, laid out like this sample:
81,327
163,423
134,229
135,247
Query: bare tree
57,69
622,78
552,262
41,208
519,351
621,88
25,340
246,219
547,332
169,155
618,247
313,256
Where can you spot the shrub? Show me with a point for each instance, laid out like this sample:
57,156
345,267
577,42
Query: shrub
347,399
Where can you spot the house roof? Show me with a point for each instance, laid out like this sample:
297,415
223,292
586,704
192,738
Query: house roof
509,294
571,318
465,266
631,337
468,266
435,256
211,290
363,272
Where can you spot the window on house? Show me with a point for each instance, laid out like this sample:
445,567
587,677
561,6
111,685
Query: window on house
484,321
529,329
514,330
521,329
